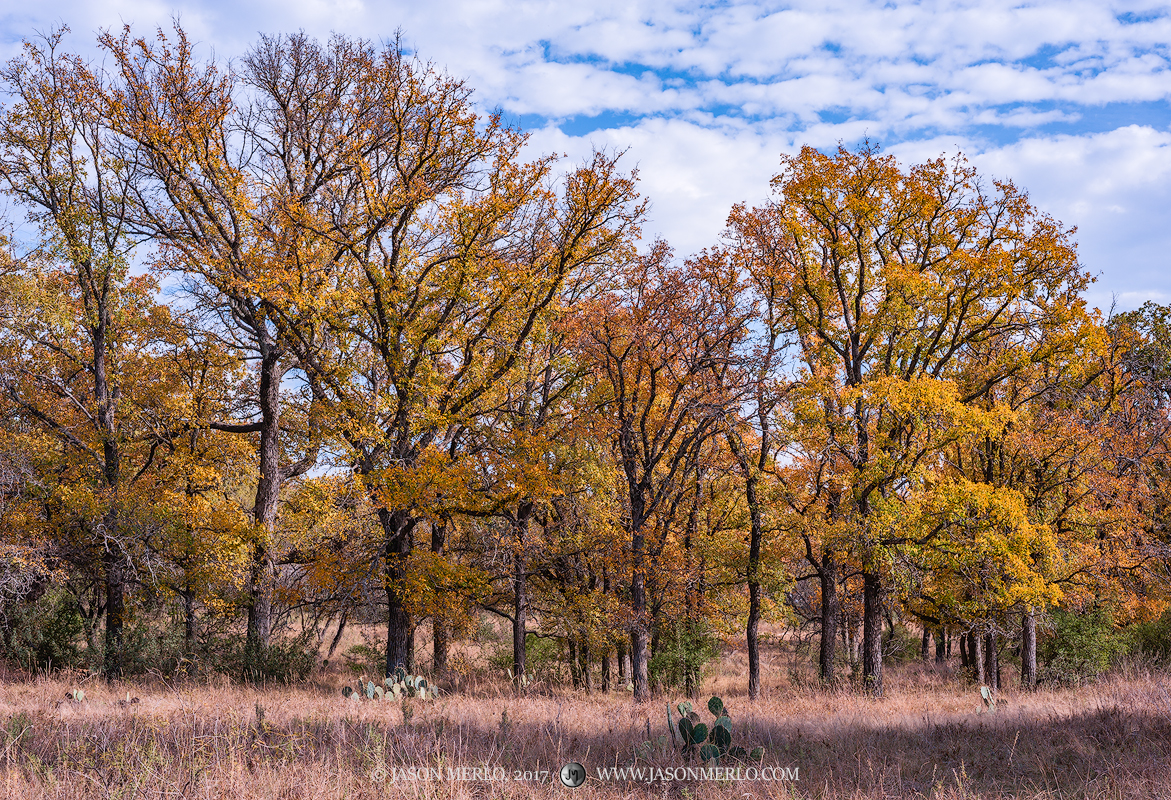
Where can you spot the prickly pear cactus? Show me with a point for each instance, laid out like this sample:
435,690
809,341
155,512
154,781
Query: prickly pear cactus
710,743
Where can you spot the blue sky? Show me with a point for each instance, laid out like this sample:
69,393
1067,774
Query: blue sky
1070,99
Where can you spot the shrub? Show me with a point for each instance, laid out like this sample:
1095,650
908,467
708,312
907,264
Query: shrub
1153,639
900,645
685,647
1080,646
284,660
542,655
47,632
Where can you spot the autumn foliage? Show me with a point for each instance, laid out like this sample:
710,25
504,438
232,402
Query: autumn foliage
402,373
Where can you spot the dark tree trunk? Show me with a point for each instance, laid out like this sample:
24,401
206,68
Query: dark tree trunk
607,676
439,636
574,663
756,527
830,611
337,637
872,634
113,562
113,558
262,570
941,641
1029,650
991,661
397,527
638,606
583,656
965,658
925,648
620,656
188,595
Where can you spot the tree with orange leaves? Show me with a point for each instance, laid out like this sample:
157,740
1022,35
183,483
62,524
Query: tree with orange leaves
661,344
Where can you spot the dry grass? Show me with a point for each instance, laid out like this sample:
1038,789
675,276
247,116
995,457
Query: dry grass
926,739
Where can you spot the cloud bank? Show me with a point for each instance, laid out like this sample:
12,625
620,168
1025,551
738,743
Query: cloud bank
1067,99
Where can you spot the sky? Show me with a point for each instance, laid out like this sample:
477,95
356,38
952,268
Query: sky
1068,99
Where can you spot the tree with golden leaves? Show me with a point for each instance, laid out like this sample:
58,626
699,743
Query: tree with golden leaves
893,279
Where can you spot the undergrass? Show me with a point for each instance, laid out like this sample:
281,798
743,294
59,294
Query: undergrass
927,738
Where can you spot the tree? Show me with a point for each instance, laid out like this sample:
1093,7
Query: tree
83,334
438,253
661,343
211,187
894,277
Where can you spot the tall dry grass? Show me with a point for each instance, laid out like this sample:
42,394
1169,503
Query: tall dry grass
927,738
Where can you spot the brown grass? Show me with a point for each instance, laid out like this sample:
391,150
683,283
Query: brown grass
926,739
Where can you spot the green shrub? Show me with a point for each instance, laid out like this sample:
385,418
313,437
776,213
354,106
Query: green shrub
1080,645
685,647
47,633
1153,639
542,655
284,660
365,659
901,646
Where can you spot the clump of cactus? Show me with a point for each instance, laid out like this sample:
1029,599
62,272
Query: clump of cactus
711,742
398,686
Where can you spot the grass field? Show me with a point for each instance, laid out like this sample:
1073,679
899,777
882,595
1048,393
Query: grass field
927,738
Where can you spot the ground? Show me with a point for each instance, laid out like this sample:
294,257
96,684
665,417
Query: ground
929,737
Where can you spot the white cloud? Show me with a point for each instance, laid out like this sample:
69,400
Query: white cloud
719,90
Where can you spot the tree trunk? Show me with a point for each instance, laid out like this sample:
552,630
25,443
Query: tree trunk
991,661
925,648
638,607
188,621
115,605
574,663
607,681
830,609
620,657
940,645
262,570
520,602
583,655
965,659
1029,650
756,527
397,527
872,634
337,636
977,653
439,637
